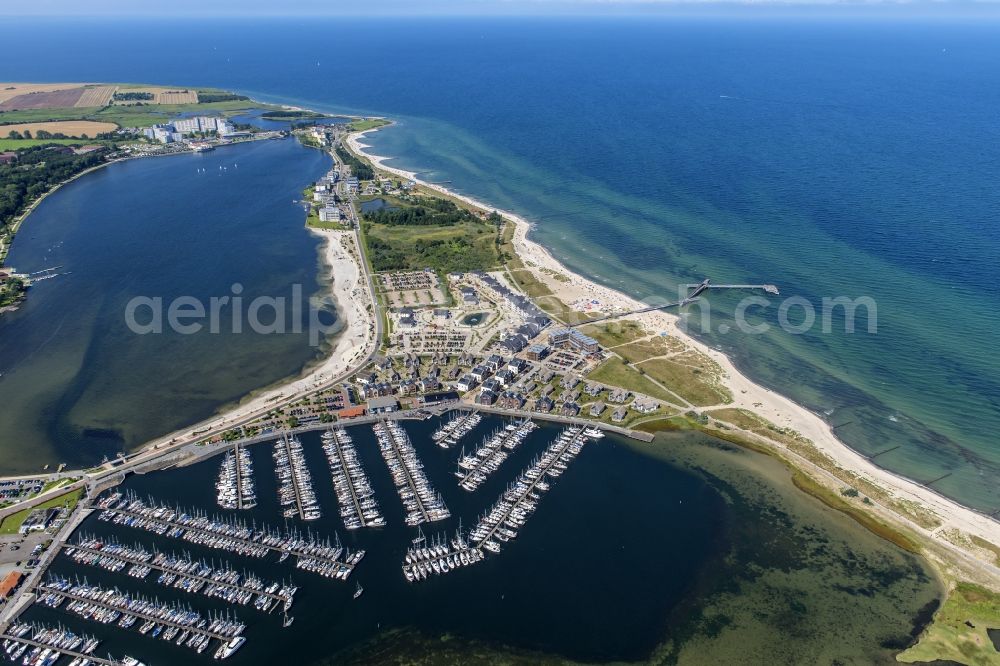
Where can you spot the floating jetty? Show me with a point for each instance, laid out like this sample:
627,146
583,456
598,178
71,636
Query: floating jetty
184,573
423,504
358,506
474,469
235,485
229,534
43,646
501,522
438,556
171,622
295,490
456,428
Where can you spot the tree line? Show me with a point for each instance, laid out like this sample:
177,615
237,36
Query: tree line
358,168
35,172
428,211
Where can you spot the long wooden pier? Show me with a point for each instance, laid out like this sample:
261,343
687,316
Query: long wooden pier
180,574
71,653
246,543
239,476
142,615
507,436
293,470
349,480
406,471
534,482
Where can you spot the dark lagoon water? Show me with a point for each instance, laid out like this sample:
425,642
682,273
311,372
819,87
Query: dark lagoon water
682,549
374,205
833,158
77,383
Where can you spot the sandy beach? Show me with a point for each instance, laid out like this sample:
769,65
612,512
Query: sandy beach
748,395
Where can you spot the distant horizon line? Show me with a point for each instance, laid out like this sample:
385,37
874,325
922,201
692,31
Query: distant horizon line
718,9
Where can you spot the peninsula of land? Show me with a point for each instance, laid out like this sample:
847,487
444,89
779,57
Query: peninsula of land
445,302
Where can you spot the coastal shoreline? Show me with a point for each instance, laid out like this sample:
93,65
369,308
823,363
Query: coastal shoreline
747,394
355,311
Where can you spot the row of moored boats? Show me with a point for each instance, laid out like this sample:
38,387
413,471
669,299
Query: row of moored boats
474,469
518,502
52,643
295,491
421,501
358,506
438,556
449,434
223,533
184,573
235,488
170,622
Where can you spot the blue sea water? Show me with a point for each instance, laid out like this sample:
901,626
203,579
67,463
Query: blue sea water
833,158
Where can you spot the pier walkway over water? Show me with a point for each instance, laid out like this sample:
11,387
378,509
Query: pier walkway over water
402,462
206,632
293,469
578,436
692,297
240,481
69,653
348,478
258,542
129,559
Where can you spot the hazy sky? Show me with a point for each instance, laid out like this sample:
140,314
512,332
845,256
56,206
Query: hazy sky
465,7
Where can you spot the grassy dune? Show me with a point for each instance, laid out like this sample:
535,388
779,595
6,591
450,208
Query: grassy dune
959,630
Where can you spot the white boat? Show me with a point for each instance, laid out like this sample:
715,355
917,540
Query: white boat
227,649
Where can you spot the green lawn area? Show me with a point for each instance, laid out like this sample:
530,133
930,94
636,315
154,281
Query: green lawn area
17,144
561,311
951,638
529,284
52,485
41,115
466,246
367,124
128,115
313,221
615,333
12,523
614,372
696,386
634,352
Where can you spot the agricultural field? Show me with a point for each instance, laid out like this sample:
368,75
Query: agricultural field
96,96
160,95
18,144
43,100
71,128
11,90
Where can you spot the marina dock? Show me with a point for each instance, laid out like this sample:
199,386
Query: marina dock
233,536
235,486
295,483
107,606
423,504
48,641
184,574
520,500
452,431
474,469
358,506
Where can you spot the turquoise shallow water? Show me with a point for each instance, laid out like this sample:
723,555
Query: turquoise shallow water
831,158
